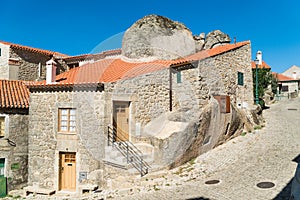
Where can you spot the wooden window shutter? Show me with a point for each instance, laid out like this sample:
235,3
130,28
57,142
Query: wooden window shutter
240,78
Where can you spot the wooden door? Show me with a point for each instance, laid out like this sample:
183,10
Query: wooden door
121,120
67,172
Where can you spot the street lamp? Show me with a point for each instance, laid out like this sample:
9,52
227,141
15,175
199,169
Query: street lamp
256,81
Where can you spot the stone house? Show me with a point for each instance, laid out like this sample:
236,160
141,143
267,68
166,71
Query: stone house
293,71
172,110
288,87
14,106
19,62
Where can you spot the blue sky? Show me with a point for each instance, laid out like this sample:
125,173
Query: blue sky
76,27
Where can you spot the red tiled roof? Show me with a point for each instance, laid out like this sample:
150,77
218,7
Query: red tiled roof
41,51
13,94
111,70
215,51
281,77
264,65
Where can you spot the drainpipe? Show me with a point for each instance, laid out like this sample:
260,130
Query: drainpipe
170,88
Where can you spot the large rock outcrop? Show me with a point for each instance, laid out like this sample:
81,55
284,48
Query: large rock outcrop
216,38
182,135
157,37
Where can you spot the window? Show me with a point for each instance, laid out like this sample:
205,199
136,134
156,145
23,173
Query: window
66,120
285,88
2,127
120,108
179,77
2,167
240,78
0,51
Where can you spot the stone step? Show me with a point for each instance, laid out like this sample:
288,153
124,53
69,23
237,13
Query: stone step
122,159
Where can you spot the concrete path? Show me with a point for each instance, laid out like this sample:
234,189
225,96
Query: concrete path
239,165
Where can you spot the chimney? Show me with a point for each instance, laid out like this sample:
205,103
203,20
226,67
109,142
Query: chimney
259,57
51,71
294,75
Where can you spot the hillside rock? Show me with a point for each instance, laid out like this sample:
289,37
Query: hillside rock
200,41
216,38
157,37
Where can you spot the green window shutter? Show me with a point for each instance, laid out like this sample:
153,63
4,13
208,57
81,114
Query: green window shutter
240,78
2,165
179,77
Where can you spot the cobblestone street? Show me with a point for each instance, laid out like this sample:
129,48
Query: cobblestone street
242,163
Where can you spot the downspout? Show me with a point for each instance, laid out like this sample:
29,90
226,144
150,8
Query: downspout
170,88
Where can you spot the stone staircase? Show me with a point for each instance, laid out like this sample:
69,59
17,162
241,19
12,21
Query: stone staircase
124,154
115,158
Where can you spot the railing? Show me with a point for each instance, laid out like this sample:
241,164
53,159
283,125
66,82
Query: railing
133,155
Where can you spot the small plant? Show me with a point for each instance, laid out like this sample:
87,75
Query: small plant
192,162
180,170
147,179
156,188
258,127
243,133
167,184
189,169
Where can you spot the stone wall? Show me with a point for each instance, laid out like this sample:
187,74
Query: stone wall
14,148
148,94
220,75
45,143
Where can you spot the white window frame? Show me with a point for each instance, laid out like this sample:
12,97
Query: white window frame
6,124
68,121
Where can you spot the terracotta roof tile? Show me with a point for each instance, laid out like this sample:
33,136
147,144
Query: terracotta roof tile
111,70
13,94
264,65
32,49
281,77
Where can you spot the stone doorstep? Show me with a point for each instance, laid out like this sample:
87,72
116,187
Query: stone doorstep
37,190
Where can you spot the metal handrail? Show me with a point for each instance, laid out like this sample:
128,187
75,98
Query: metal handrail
128,150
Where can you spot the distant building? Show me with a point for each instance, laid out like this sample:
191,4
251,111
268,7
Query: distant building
287,86
19,62
293,72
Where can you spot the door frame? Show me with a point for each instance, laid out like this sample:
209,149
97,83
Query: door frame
114,102
60,186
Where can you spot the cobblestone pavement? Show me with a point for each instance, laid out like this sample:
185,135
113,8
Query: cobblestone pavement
239,165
